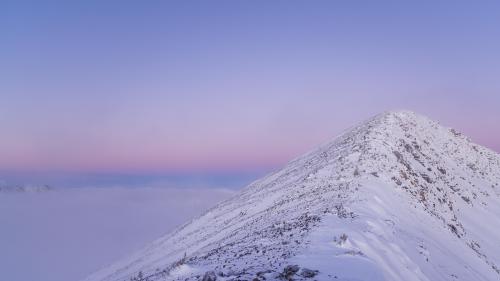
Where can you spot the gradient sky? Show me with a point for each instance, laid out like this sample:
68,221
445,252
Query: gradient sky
197,86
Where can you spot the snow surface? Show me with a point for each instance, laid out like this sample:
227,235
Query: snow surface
398,197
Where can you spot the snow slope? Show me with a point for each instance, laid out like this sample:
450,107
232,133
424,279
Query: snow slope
398,197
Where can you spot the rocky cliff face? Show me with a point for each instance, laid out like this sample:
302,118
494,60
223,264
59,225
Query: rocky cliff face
398,197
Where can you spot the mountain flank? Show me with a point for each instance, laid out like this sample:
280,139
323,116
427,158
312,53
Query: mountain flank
398,197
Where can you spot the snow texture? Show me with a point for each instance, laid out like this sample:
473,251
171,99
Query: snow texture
398,197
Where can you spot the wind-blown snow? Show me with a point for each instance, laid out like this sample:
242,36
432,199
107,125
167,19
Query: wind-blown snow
65,234
398,197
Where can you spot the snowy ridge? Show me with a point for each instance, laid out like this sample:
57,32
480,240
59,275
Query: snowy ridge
398,197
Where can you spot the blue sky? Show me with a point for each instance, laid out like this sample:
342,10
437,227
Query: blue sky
166,87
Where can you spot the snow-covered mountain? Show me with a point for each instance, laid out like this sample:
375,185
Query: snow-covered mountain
20,188
398,197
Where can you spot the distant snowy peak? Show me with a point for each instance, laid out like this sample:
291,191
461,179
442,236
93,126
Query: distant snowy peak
398,197
6,188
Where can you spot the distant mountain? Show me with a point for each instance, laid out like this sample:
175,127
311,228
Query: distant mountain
24,188
398,197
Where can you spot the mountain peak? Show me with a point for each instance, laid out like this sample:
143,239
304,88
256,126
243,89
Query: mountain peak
401,112
398,197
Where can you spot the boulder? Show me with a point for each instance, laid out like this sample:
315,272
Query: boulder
308,273
209,276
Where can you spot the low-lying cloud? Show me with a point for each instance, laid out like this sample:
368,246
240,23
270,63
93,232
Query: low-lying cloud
66,234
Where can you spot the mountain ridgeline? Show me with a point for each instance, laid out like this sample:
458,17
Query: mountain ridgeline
398,197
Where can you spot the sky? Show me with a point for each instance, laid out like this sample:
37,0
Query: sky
231,87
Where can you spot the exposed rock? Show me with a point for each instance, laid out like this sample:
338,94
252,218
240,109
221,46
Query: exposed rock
289,271
209,276
308,273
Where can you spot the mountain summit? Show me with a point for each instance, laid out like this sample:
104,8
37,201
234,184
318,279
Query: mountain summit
398,197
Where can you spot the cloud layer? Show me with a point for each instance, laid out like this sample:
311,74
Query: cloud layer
67,234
